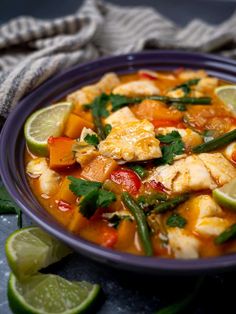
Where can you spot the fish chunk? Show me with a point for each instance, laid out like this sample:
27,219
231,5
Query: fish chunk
219,167
229,150
190,75
211,226
207,83
121,116
183,244
185,175
208,216
131,141
49,182
87,94
36,167
84,152
137,88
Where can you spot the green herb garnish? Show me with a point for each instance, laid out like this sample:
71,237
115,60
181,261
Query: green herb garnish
107,129
186,87
92,139
176,220
174,145
93,196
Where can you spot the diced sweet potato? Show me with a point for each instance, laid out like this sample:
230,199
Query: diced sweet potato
126,232
79,110
99,169
65,193
77,222
75,125
60,152
156,110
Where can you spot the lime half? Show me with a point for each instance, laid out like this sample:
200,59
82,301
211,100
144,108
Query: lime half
44,123
30,249
227,95
44,294
226,195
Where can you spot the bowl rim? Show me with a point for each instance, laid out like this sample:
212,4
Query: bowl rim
108,256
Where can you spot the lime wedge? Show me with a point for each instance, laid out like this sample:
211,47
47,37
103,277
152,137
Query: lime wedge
30,249
226,195
227,95
44,294
42,124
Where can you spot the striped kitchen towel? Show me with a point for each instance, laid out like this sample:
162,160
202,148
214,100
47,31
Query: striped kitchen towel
32,50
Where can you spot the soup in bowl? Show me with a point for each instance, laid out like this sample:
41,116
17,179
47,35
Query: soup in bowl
140,163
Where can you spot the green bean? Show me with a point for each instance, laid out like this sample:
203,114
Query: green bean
140,218
170,204
226,235
183,100
216,143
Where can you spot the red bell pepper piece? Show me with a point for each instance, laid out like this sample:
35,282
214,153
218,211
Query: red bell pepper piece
128,180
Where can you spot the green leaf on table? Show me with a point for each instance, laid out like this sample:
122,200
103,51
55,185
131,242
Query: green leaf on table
8,206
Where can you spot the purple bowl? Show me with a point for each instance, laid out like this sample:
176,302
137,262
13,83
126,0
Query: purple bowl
12,145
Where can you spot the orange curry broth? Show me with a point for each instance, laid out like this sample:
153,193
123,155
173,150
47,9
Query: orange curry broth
98,230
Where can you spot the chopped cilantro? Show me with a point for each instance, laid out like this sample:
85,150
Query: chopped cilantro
119,101
99,106
186,86
176,220
92,139
107,129
105,198
82,187
93,195
173,146
169,138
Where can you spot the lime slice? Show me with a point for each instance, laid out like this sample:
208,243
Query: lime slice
226,195
227,94
30,249
44,294
42,124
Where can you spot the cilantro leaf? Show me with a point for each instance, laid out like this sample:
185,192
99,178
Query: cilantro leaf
93,196
107,129
170,151
88,204
176,220
92,139
105,198
82,187
169,138
99,106
173,146
186,86
119,101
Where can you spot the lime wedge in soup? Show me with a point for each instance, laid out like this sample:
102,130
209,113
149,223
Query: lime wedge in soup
226,195
42,124
227,95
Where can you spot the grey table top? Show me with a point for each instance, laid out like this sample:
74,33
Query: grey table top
126,293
